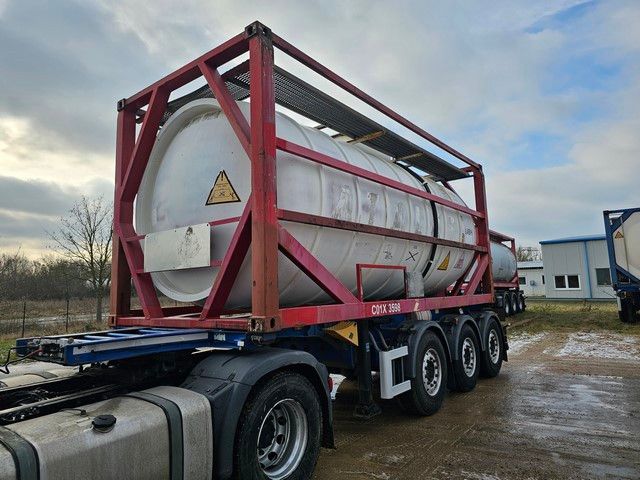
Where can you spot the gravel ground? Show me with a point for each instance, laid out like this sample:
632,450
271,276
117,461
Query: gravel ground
557,410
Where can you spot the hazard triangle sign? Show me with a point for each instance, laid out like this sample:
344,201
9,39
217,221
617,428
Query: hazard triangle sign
222,191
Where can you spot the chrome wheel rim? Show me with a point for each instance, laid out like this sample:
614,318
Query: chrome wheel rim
468,357
494,346
521,302
431,372
282,439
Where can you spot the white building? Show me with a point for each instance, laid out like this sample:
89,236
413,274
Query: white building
531,278
577,267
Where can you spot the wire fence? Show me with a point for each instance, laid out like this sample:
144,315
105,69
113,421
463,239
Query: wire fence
28,318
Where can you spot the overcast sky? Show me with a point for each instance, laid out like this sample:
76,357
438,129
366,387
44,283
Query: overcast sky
546,95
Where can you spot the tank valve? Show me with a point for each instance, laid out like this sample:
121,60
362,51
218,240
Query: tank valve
103,423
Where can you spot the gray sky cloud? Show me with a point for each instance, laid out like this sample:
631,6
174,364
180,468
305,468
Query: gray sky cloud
488,77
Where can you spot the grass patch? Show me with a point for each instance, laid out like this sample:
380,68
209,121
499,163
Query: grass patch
546,315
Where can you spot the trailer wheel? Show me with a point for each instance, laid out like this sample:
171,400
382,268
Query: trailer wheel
467,368
522,306
627,311
506,304
429,386
492,355
278,435
514,303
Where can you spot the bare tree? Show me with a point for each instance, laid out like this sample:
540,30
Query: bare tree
84,237
527,254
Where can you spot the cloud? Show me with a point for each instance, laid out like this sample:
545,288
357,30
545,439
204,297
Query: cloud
544,94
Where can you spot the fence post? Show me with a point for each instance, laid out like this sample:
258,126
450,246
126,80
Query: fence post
24,315
66,323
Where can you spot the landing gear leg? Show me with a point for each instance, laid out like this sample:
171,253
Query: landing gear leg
366,407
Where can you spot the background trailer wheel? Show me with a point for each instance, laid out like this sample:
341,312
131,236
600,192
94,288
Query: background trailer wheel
514,303
278,435
506,304
429,385
493,350
522,305
467,366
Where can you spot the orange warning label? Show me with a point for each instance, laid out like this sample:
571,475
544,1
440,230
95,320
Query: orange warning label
445,263
222,191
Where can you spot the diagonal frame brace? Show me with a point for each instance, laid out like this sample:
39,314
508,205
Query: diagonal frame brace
317,272
233,258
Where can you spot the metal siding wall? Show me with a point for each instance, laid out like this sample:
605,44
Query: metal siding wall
599,258
564,259
534,274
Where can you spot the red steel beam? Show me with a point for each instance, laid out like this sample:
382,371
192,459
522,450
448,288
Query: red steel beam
120,297
233,258
500,236
306,60
144,144
306,262
264,220
218,56
318,314
184,322
309,154
457,287
229,106
317,220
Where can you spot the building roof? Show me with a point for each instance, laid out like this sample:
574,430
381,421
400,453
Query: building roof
529,264
584,238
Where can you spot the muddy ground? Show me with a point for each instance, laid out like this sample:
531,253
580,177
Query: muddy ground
566,405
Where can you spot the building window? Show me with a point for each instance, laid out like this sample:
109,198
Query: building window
603,277
567,282
522,280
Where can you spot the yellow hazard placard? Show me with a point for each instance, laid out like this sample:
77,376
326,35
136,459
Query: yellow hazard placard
445,263
619,235
222,191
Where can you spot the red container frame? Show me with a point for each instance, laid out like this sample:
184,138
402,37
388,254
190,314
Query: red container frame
259,228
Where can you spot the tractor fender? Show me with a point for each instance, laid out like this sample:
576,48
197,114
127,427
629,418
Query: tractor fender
227,379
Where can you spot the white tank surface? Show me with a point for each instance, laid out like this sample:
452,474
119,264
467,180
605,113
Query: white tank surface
626,243
503,261
197,148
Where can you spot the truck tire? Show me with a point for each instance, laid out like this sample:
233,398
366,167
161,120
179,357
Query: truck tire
514,303
522,305
430,383
627,312
492,355
506,304
278,435
467,368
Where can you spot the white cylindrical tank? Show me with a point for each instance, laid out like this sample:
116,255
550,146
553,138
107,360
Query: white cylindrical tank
197,145
626,244
503,261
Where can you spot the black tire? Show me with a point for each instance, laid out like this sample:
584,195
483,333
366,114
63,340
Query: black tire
426,399
514,303
467,368
493,354
522,303
506,304
266,408
627,312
